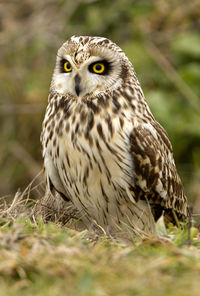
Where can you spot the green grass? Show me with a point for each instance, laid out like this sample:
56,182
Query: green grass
47,259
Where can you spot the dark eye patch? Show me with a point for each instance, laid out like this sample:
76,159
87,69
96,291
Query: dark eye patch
107,67
62,62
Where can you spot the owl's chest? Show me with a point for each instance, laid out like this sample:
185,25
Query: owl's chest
92,156
97,152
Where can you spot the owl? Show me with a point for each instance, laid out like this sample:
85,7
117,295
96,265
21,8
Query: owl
102,148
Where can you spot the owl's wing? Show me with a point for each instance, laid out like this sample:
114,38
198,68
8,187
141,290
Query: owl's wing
52,177
155,175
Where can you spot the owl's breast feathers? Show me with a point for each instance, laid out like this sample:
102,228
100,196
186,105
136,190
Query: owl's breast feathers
108,132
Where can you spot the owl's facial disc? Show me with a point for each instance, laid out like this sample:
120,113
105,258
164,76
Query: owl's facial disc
90,76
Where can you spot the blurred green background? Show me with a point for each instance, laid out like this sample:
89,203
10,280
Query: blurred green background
161,38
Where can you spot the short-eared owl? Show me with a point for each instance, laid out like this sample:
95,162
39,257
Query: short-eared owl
102,147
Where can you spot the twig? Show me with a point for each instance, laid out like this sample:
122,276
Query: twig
188,242
176,218
29,187
21,109
20,153
17,197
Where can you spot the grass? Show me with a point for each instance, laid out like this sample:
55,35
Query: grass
50,259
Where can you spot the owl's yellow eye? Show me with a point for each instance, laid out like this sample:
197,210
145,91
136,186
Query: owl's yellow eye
98,68
67,67
101,67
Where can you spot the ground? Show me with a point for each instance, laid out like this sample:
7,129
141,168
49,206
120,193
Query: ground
49,259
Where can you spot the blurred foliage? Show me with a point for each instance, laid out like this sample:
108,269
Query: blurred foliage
160,37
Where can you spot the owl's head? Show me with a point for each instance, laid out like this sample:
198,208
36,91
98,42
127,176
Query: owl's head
89,65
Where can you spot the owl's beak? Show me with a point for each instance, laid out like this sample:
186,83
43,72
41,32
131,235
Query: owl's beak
77,84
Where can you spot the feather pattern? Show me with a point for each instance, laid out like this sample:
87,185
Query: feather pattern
103,148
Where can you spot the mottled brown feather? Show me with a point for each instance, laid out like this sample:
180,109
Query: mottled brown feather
152,160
